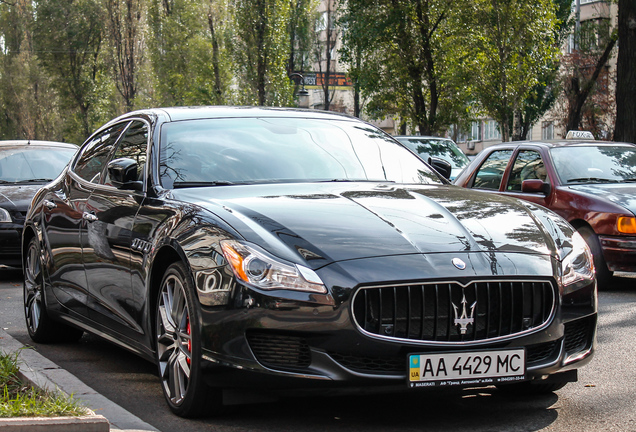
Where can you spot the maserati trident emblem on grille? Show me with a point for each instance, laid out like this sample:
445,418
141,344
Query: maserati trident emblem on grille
464,319
461,265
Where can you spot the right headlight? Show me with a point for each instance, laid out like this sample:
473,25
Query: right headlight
260,269
4,215
577,268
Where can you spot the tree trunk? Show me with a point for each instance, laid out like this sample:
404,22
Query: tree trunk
625,129
215,60
580,95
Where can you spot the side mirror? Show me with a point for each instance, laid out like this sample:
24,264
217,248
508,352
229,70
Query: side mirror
535,186
123,174
441,166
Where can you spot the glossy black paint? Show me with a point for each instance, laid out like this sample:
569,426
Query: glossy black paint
105,251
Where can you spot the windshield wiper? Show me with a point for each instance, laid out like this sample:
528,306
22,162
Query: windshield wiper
41,180
178,185
591,180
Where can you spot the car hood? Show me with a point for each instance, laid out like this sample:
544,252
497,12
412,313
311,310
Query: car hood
623,194
17,196
332,222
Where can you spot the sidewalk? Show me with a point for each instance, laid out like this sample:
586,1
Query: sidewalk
45,374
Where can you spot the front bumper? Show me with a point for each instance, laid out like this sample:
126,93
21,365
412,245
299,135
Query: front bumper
280,361
303,341
287,345
619,253
10,244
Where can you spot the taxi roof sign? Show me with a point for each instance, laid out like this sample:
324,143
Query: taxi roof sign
575,134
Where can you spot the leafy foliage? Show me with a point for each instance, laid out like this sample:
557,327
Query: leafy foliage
514,48
261,51
405,59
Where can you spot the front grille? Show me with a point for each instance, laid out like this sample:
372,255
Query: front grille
450,312
274,350
577,335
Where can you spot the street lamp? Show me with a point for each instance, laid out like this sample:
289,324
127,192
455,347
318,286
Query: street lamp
303,94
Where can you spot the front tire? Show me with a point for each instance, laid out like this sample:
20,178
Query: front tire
603,274
41,328
179,347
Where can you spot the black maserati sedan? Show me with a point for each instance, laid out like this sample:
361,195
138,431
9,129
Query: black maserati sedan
249,250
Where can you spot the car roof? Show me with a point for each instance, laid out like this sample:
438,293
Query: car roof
207,112
559,143
421,137
37,143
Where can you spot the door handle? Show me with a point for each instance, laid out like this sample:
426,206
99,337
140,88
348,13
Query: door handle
89,217
49,204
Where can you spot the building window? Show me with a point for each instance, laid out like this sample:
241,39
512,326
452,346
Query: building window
491,130
475,131
547,130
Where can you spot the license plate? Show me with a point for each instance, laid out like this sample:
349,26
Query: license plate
467,368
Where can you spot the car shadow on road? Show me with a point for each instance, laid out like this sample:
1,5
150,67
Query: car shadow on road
477,409
622,282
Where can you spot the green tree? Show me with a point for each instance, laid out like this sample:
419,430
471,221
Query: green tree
261,51
301,34
27,101
514,46
68,39
125,25
402,57
187,52
545,92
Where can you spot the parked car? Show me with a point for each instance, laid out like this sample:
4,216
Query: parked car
278,250
592,184
24,167
444,148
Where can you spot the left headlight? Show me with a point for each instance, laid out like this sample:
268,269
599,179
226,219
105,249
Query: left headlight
260,269
577,268
4,215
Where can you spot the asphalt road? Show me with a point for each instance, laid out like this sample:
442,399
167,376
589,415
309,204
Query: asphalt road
602,400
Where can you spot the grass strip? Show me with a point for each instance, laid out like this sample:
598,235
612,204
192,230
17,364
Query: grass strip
18,399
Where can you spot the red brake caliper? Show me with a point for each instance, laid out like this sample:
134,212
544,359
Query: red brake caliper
189,340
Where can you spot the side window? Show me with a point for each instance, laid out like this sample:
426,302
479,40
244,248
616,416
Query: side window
133,145
492,170
95,153
528,166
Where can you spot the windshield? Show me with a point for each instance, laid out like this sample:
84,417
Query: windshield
265,150
35,164
595,164
440,148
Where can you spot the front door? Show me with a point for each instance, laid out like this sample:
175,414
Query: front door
107,247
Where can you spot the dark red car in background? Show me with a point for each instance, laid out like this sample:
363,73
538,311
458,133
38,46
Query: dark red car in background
592,184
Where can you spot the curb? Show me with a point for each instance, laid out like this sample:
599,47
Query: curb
42,372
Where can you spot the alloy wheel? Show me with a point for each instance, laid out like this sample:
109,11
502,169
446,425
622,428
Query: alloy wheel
33,287
174,341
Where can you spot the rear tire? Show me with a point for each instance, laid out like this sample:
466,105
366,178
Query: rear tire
41,328
603,274
179,347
